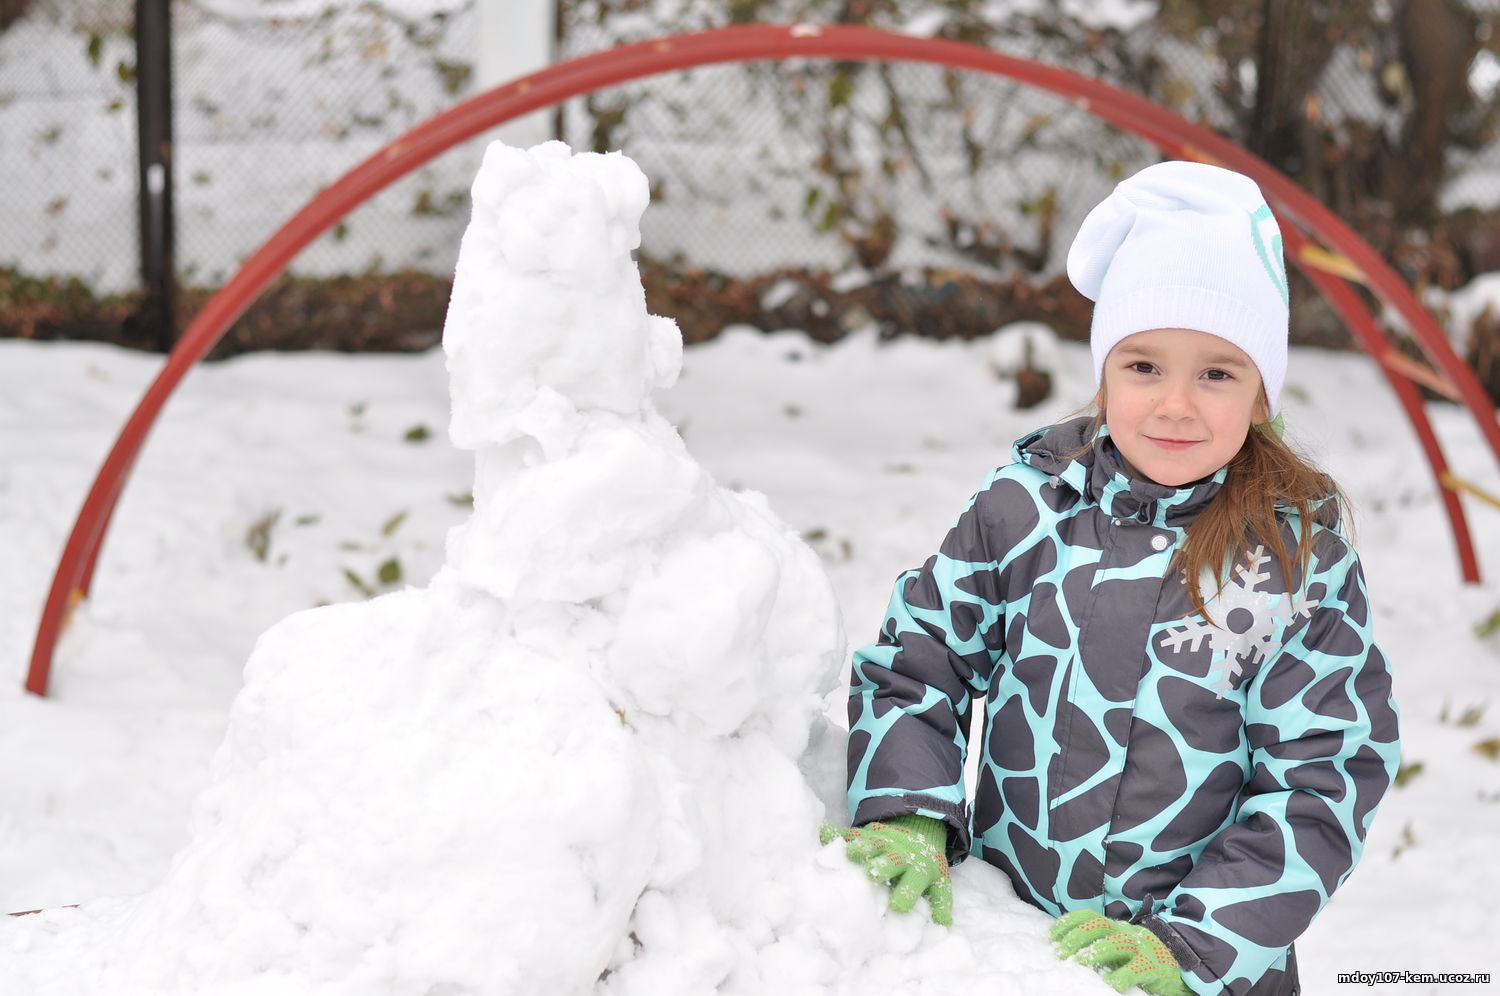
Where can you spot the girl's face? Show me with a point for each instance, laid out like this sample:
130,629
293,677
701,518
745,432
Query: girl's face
1179,403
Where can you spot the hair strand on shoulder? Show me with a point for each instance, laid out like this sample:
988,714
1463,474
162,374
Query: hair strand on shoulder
1267,478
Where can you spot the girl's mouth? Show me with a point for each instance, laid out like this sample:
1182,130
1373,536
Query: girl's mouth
1174,444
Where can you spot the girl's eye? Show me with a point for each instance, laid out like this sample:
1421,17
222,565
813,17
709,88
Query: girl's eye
1141,366
1219,375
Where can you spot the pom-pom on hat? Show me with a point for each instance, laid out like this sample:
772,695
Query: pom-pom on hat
1183,245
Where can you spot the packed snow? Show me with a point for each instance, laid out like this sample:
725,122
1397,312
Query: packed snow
583,736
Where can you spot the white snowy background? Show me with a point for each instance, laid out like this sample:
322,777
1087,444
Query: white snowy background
465,784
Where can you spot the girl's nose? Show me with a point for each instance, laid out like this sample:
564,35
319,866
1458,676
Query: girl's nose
1174,401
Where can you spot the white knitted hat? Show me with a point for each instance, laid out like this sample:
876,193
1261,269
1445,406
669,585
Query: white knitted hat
1183,245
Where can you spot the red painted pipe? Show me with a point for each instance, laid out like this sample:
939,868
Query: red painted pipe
602,69
1365,329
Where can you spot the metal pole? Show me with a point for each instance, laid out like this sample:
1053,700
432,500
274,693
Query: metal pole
153,87
559,37
1263,112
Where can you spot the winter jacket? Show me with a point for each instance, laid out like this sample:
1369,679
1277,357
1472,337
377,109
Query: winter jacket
1213,783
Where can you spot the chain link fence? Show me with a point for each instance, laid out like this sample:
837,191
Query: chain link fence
829,197
269,108
271,104
67,156
272,109
811,193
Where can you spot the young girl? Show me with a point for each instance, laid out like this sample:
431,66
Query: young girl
1187,723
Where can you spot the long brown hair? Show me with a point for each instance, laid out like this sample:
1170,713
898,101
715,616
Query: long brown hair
1267,475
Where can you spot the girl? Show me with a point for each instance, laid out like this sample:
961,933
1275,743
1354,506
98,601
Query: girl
1187,723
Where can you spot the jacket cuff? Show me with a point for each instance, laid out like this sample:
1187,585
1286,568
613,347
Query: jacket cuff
1195,972
954,814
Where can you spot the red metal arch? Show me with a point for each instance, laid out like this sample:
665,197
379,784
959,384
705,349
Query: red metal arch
1173,135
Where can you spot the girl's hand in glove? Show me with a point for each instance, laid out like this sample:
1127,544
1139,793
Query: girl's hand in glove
909,854
1127,953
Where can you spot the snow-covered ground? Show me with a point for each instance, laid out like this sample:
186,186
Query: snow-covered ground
275,483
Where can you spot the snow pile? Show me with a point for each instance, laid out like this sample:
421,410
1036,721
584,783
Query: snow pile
591,755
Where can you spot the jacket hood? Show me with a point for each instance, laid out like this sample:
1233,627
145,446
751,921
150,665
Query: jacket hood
1073,454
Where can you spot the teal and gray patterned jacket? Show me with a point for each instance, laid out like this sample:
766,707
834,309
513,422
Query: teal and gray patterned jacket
1213,783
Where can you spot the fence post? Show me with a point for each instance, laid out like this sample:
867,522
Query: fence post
516,39
153,88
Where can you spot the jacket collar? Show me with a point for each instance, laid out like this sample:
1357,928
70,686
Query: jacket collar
1089,463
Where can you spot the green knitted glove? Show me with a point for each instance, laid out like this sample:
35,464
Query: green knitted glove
1128,953
909,854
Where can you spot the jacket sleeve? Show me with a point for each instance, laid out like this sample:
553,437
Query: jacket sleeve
912,691
1321,730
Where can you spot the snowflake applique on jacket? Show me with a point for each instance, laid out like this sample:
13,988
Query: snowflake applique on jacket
1268,613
